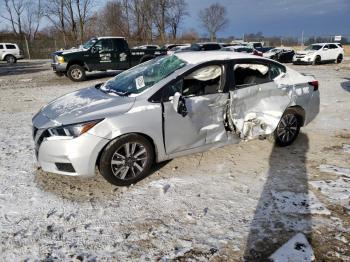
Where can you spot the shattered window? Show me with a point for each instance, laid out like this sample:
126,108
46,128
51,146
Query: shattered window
250,74
204,81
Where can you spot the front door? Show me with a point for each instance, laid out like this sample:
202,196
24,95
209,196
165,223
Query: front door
202,91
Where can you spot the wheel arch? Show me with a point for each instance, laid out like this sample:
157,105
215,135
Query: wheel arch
299,111
76,62
136,133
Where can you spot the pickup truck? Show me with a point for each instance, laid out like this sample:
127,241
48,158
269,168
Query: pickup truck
100,54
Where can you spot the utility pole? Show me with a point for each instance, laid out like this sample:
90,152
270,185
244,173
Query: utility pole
302,39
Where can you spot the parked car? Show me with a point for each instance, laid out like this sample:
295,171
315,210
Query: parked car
242,49
178,49
319,53
168,107
152,47
10,52
207,46
171,46
100,54
281,54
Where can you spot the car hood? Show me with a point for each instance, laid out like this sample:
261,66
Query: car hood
82,105
69,51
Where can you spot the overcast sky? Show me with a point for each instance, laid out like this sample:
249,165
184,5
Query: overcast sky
279,17
273,17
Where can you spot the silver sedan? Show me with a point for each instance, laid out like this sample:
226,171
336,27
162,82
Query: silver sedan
168,107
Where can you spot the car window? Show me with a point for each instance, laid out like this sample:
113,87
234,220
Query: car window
333,46
276,70
326,46
10,46
250,74
118,44
1,47
210,47
204,81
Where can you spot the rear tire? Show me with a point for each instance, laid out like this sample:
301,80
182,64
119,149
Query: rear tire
10,59
287,129
339,59
126,160
76,73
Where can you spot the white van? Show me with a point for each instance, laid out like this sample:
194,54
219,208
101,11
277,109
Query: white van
10,52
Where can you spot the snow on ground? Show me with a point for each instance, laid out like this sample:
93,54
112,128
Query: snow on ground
241,201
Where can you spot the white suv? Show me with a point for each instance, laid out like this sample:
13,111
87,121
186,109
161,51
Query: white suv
321,52
10,52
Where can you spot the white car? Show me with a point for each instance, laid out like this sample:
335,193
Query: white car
10,52
319,53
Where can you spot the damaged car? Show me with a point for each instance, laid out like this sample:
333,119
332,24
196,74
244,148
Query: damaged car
169,107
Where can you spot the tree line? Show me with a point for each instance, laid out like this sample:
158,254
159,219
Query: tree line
77,20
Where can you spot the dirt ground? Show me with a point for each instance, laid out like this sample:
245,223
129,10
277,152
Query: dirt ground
236,203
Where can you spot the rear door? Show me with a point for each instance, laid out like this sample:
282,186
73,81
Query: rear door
257,100
206,103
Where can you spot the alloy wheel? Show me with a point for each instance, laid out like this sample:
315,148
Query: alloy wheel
76,73
129,160
287,129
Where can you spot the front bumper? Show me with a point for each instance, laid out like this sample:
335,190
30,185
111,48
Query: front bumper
57,67
54,154
305,60
19,57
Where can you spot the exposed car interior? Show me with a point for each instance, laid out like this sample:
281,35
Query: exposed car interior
204,81
250,74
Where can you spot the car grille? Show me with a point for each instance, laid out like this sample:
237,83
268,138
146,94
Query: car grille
38,136
299,56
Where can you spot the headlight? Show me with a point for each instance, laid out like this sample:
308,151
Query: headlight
74,130
60,59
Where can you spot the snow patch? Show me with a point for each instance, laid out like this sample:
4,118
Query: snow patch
337,191
346,148
298,203
296,249
335,170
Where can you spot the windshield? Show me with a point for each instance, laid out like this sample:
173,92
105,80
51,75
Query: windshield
143,76
313,47
90,43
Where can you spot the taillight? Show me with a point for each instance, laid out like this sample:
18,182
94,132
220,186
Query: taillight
314,84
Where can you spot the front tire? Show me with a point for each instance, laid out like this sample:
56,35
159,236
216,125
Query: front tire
126,160
10,59
317,60
287,129
76,73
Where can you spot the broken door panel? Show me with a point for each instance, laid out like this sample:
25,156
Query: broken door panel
256,110
204,122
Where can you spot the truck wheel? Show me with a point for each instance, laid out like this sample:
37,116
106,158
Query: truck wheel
76,73
10,59
339,59
126,160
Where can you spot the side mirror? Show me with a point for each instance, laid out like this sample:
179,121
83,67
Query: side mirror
179,104
325,49
94,50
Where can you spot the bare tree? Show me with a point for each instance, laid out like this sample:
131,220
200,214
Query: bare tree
14,11
112,19
176,13
159,9
83,7
34,13
56,13
213,19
